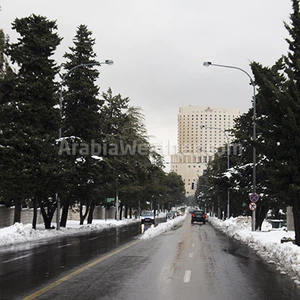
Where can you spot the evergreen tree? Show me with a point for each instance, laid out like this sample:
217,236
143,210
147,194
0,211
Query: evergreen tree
31,117
10,188
81,122
279,96
289,163
175,189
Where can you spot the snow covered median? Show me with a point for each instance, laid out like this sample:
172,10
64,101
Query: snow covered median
163,227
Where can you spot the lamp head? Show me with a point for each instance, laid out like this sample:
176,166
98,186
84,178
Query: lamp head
207,63
109,62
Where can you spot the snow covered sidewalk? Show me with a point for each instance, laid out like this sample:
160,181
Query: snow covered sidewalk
266,243
20,233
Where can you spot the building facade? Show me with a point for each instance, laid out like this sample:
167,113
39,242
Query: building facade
201,132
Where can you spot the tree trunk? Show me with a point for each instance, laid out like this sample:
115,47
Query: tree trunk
126,211
261,212
120,212
64,214
47,216
91,212
296,212
81,215
17,215
34,212
47,220
130,212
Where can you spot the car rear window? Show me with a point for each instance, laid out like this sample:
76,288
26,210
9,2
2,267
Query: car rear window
198,213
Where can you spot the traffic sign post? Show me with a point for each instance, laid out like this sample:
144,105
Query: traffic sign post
254,197
253,206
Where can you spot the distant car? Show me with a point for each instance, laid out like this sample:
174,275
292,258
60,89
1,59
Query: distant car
174,212
198,216
148,217
169,215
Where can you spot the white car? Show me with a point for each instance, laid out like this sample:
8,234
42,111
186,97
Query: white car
147,217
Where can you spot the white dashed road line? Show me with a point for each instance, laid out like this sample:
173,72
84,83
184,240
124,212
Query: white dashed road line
66,245
187,276
6,261
191,254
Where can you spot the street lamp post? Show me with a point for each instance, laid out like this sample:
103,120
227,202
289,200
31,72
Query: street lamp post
228,164
106,62
207,64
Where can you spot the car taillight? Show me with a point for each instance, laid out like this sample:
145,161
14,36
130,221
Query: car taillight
193,215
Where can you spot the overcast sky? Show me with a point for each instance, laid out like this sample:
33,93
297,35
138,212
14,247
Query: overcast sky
159,47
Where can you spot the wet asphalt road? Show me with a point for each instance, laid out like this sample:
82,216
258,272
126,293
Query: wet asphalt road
190,262
26,267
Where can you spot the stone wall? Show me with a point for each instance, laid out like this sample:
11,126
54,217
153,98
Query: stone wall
7,216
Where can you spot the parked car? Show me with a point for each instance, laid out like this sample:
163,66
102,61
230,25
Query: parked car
179,213
169,215
147,217
198,216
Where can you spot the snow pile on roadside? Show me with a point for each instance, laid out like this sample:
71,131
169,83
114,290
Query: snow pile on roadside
266,243
163,227
22,233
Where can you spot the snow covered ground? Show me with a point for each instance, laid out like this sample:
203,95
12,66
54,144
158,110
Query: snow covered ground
267,243
22,233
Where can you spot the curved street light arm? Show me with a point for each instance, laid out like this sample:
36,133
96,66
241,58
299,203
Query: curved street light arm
207,64
107,62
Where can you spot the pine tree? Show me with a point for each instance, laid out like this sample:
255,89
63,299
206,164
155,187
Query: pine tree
82,121
31,114
288,163
279,122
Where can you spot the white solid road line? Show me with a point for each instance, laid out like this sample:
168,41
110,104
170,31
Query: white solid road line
6,261
187,276
191,254
66,245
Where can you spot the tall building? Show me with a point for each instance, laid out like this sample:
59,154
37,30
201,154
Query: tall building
201,131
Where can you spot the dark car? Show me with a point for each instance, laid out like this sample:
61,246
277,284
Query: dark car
198,216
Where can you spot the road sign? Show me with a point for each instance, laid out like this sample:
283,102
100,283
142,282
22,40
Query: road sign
254,197
252,206
110,200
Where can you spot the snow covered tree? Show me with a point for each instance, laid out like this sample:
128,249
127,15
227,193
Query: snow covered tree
279,122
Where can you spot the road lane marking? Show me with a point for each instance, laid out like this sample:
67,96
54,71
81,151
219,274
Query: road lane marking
16,258
187,276
193,245
66,245
71,275
191,254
